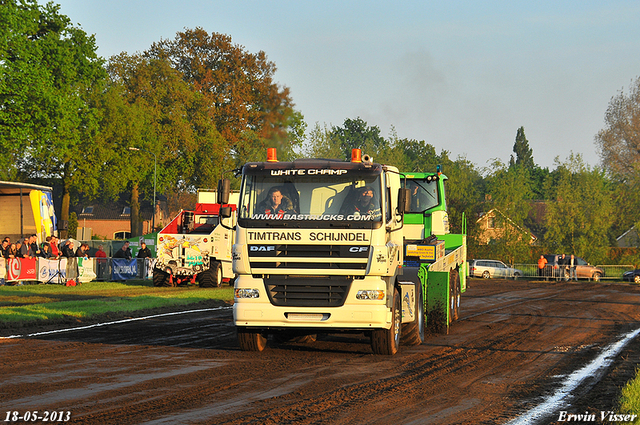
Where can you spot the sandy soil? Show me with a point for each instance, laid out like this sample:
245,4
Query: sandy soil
513,344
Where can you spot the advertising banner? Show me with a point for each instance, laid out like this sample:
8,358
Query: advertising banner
3,268
123,269
52,271
149,263
21,269
43,213
86,269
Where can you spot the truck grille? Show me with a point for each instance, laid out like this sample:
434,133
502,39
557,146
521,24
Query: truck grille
316,257
305,291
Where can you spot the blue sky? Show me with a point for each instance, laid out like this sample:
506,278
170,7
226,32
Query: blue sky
460,75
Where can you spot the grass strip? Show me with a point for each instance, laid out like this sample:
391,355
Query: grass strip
47,302
630,398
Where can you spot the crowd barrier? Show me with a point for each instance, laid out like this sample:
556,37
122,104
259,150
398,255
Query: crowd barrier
611,272
41,270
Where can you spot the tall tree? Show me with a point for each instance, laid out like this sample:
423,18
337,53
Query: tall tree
619,142
48,72
524,154
247,107
510,192
153,109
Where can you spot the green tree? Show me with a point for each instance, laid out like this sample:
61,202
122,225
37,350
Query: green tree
320,144
578,218
357,134
149,106
618,145
524,154
48,72
247,107
619,142
464,191
510,192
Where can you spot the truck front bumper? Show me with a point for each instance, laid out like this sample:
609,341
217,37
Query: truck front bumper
354,314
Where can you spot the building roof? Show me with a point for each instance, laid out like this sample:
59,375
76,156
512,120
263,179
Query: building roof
13,187
113,211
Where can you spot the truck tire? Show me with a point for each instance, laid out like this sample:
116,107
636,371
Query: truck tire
454,295
212,277
159,277
251,341
216,270
413,333
387,341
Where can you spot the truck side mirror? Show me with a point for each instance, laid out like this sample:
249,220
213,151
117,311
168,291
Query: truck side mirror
224,189
404,200
225,212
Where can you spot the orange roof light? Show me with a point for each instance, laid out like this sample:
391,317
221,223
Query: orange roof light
356,155
272,155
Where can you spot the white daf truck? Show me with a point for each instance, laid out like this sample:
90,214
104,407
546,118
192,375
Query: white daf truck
322,246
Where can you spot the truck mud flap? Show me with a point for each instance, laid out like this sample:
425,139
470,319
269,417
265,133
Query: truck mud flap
438,313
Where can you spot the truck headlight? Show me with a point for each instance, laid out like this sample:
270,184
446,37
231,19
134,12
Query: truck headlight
247,293
377,294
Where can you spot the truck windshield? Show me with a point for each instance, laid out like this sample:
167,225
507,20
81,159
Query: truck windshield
424,194
347,198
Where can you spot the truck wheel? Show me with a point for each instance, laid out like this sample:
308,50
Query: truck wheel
216,270
454,295
212,277
159,278
413,333
387,341
251,341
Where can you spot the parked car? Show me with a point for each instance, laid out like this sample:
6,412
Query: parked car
632,276
584,270
488,269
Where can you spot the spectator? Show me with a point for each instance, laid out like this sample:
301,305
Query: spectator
572,269
144,252
100,252
18,253
33,241
55,251
6,243
82,251
67,249
124,252
101,262
45,252
542,262
12,251
47,241
562,267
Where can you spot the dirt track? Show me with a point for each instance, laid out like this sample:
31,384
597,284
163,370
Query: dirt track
513,344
